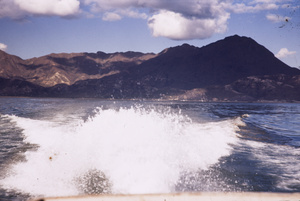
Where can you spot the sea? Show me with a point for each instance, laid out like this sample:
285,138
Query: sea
60,147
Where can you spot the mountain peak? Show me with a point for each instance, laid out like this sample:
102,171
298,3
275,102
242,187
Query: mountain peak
225,63
185,47
4,54
236,36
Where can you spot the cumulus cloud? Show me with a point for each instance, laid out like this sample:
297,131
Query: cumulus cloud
177,26
49,7
3,47
175,19
277,18
20,8
284,52
203,8
178,19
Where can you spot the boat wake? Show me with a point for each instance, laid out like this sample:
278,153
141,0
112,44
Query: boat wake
126,150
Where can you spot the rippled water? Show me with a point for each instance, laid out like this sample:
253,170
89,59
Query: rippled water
60,147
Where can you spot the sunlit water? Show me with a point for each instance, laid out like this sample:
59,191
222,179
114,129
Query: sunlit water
61,147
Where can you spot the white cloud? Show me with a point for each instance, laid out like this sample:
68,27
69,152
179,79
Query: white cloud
176,26
252,7
277,18
118,14
132,13
183,19
3,47
284,52
104,5
111,16
49,7
18,9
188,7
175,19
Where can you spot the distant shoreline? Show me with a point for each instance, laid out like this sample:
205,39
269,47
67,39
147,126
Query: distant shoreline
147,100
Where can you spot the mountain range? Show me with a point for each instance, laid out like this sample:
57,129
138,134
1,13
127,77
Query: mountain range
233,69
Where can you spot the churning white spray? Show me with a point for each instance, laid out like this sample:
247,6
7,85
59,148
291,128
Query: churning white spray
139,151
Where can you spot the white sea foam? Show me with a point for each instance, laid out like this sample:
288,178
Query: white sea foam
138,150
282,162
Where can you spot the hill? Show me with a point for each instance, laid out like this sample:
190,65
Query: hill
233,69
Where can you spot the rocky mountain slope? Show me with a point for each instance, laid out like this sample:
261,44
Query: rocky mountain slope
63,68
233,69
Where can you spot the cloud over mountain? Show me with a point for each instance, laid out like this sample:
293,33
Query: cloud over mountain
174,19
177,26
180,20
284,52
3,47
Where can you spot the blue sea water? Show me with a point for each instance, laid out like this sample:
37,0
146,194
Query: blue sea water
61,147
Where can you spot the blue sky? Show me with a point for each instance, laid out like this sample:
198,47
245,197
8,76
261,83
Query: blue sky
33,28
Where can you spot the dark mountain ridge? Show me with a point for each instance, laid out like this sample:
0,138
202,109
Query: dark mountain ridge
219,63
221,71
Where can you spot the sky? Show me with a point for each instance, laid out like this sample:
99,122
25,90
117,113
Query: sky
34,28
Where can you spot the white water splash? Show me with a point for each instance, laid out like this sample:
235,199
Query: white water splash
282,162
138,150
